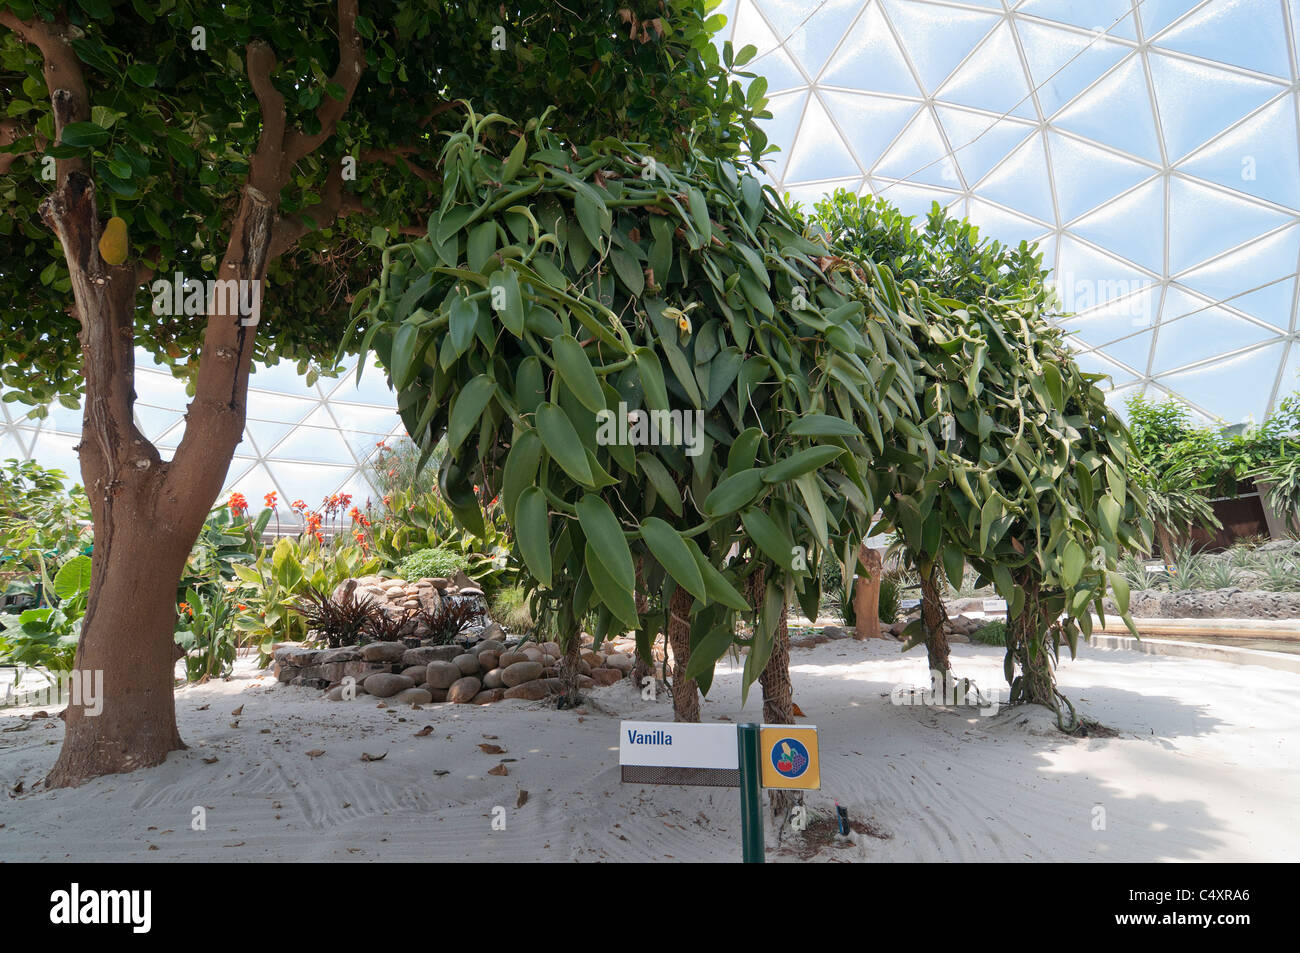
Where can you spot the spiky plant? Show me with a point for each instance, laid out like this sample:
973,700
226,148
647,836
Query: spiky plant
339,622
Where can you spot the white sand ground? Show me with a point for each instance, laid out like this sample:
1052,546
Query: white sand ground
1206,766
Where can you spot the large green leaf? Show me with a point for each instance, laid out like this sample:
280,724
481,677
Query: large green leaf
577,373
605,536
73,578
668,547
468,408
533,534
563,443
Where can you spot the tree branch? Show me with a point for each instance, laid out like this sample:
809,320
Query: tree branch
63,78
348,74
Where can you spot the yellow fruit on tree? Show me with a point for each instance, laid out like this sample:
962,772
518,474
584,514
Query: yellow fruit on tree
113,244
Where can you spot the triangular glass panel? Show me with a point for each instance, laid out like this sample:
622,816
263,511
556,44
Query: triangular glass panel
1063,63
1022,182
1121,92
779,71
815,35
871,123
937,38
979,141
1131,226
1085,175
1217,386
1198,101
1092,362
914,200
920,155
1112,17
1005,226
1192,330
992,79
750,27
1086,278
1259,157
786,112
1158,14
1249,34
869,59
818,151
1232,277
1204,222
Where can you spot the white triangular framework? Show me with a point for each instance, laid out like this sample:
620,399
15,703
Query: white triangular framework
1151,147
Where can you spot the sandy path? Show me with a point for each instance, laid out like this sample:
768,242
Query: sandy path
1206,766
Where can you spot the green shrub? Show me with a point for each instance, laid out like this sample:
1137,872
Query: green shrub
891,597
994,633
431,563
510,608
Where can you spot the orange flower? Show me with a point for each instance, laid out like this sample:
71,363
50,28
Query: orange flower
298,505
241,607
270,499
185,607
320,538
238,505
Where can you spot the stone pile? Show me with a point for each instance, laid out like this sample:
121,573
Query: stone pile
399,597
958,628
479,668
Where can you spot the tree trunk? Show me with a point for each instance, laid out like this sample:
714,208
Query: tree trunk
778,699
686,697
127,635
866,595
570,694
643,667
933,618
1028,640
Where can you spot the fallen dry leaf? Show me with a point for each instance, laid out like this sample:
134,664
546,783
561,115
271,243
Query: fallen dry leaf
212,760
426,730
315,753
234,724
500,770
237,712
373,757
490,737
492,749
797,710
203,708
522,799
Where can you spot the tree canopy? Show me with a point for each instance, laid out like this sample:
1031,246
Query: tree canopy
177,98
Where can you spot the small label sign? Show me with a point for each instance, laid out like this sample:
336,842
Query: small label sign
665,752
995,605
790,757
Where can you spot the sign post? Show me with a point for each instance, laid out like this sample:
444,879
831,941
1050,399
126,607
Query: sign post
747,756
751,800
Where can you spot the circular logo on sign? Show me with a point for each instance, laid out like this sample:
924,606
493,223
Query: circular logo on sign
790,758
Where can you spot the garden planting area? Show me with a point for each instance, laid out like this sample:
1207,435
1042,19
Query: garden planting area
672,448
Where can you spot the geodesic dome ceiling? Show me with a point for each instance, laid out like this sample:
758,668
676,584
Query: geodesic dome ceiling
1149,146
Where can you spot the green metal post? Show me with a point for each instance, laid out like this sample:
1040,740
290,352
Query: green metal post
751,794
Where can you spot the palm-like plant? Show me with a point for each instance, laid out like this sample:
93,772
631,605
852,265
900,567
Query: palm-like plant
1178,500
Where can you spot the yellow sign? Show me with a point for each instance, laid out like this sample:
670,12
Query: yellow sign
789,757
